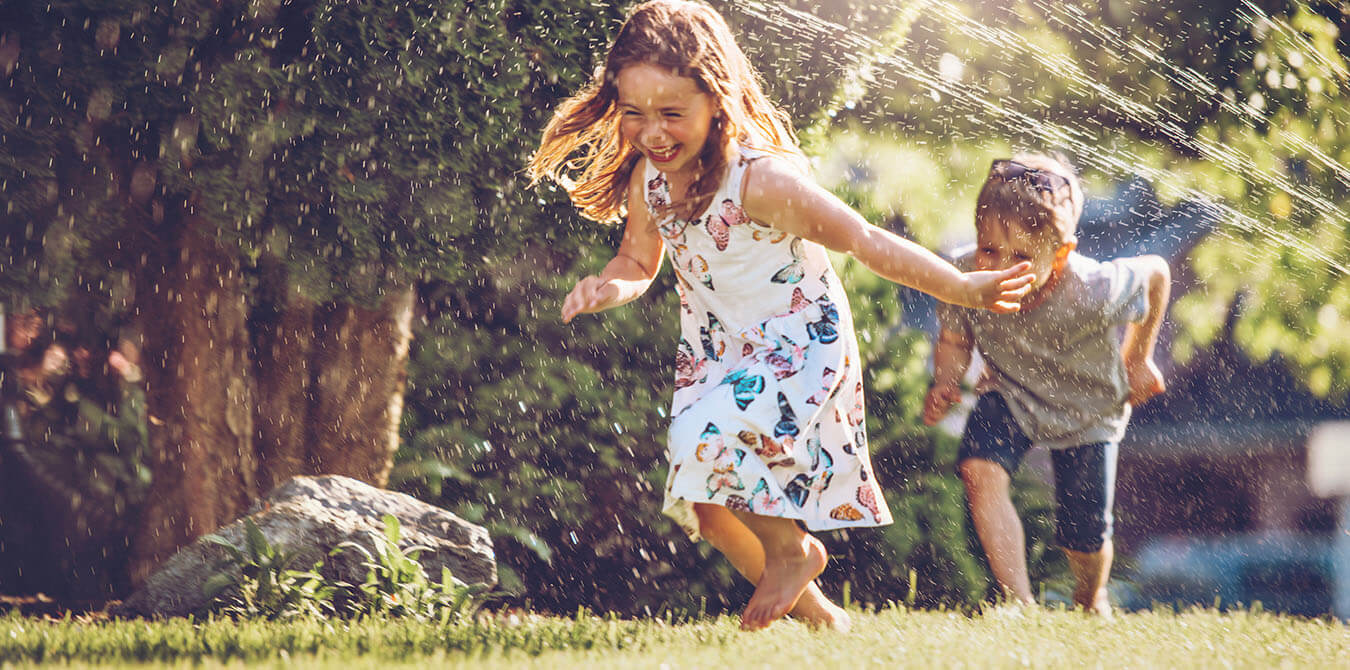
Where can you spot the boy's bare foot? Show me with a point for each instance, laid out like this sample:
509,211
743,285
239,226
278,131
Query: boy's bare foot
817,611
1098,604
784,580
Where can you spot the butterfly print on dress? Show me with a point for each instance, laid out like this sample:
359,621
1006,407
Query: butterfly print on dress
689,369
787,419
794,270
763,502
824,330
745,387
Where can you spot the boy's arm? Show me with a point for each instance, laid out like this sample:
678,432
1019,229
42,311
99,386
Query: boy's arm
633,267
780,197
1145,379
951,359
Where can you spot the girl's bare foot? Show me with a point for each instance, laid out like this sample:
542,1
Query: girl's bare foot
817,611
786,577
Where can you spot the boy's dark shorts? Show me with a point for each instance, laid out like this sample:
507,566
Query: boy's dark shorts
1085,476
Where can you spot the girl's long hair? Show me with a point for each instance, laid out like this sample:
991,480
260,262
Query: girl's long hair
583,150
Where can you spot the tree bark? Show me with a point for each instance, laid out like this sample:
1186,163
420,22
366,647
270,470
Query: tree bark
330,385
239,405
361,360
199,392
285,377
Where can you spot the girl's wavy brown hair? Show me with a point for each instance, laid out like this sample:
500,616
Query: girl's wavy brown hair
583,150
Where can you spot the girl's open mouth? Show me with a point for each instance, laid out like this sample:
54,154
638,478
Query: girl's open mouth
663,156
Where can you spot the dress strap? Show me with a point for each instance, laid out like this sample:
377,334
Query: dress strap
736,171
648,171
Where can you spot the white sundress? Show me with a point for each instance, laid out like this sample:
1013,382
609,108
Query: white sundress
767,414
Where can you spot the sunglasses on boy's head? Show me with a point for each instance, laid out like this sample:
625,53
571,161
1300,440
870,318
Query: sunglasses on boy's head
1008,170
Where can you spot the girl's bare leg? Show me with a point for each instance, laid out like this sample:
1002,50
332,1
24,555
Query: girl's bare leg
728,535
792,560
999,527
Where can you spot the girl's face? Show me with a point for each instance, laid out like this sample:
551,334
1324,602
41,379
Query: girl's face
664,115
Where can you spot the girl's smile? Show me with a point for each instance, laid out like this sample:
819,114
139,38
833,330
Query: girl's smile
664,115
663,155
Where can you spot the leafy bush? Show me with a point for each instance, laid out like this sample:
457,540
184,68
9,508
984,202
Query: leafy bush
256,581
397,585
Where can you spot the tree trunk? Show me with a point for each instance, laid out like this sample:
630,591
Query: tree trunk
361,360
330,386
199,392
240,405
285,375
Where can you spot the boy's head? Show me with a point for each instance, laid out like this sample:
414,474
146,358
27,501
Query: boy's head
1028,210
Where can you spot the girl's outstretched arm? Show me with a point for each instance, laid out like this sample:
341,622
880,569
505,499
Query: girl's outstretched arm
633,267
779,196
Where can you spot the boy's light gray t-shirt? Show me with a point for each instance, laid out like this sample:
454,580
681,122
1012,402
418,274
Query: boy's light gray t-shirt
1058,365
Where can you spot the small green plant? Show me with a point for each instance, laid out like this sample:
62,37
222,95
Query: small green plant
256,582
397,585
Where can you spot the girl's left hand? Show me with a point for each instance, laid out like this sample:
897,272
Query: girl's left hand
999,291
590,295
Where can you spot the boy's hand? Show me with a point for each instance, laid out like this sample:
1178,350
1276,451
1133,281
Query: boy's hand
986,381
590,295
1146,380
941,397
999,291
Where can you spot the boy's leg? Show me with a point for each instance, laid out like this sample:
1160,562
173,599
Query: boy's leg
998,526
1085,484
792,561
1091,572
991,449
728,535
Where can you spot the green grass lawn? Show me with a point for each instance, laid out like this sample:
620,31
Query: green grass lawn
891,638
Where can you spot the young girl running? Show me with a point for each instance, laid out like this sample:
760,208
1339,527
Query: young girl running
676,137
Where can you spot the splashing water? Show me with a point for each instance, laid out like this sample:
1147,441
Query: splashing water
972,99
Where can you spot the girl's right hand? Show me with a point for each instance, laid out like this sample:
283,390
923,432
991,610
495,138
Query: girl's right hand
999,291
590,295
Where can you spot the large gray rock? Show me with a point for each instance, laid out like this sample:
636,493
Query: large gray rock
311,516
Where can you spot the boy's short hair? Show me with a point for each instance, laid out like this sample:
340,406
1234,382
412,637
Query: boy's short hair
1038,190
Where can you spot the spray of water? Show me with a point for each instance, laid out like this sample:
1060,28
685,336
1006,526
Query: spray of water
972,99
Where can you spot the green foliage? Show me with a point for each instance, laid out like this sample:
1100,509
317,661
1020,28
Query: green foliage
90,433
353,145
553,438
814,87
396,585
256,581
82,467
338,148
